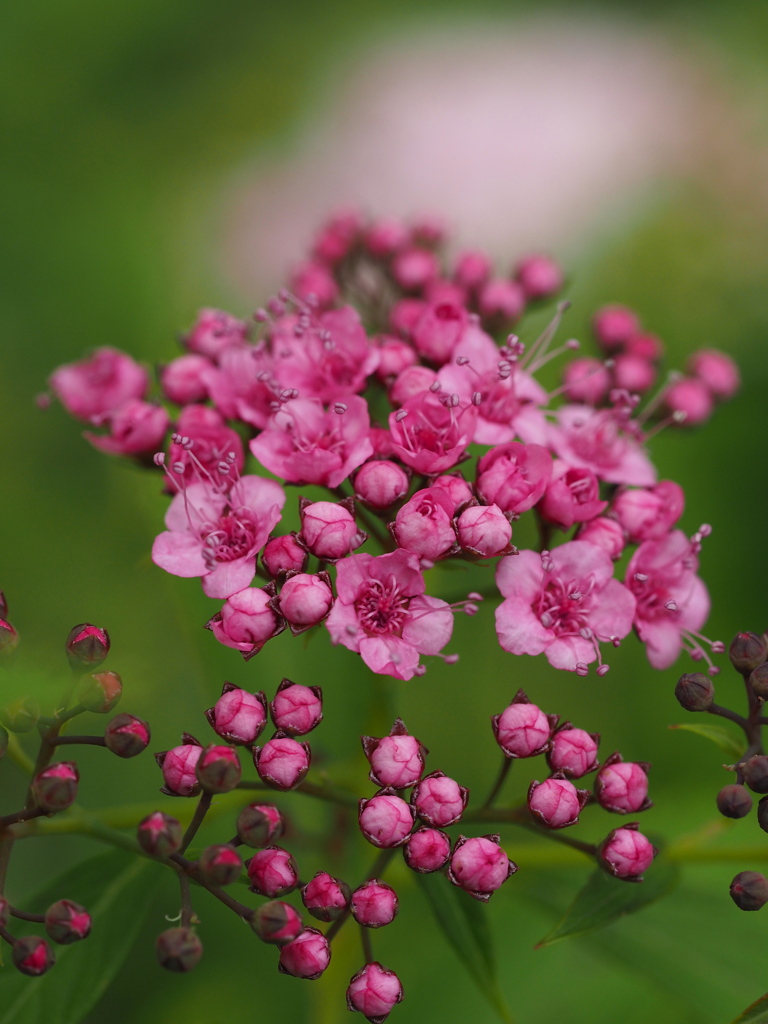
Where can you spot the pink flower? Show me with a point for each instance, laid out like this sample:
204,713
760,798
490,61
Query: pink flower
382,613
649,514
424,524
555,802
573,752
183,379
297,709
439,330
595,439
586,380
540,276
305,600
329,530
178,766
484,530
305,444
238,716
374,991
218,536
438,800
396,760
314,280
626,853
522,729
307,956
426,850
214,332
562,604
514,476
385,820
326,897
480,866
603,533
572,496
135,428
282,762
202,447
247,620
431,432
243,386
95,387
717,371
622,786
672,602
380,483
374,904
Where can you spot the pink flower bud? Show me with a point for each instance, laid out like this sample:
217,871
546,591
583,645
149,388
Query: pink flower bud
385,820
586,380
573,752
438,800
220,864
472,268
282,762
373,991
614,326
411,382
395,355
178,767
480,866
622,786
626,853
218,768
501,301
644,345
178,949
276,922
385,237
67,922
55,787
305,600
424,524
94,387
297,709
427,849
374,904
86,646
555,802
9,641
247,620
413,269
314,280
380,483
183,380
603,533
438,331
649,513
259,825
522,729
215,331
284,554
691,398
272,872
514,476
540,276
329,530
396,760
572,496
405,314
159,834
307,956
135,428
456,487
100,692
484,530
716,371
337,236
238,716
326,897
633,373
32,955
127,736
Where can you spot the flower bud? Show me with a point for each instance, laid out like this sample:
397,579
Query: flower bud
385,820
305,600
238,716
282,762
272,872
747,651
586,380
183,379
695,691
32,955
762,814
259,825
297,709
690,397
307,956
734,801
9,640
758,680
556,802
749,890
396,760
427,849
424,524
480,866
326,897
540,276
100,692
484,530
178,766
373,991
626,853
276,922
329,529
381,483
159,834
220,864
396,355
755,773
66,922
614,326
20,715
218,769
622,786
374,904
126,735
247,620
573,752
522,729
284,554
716,371
86,647
603,533
501,302
633,373
178,949
438,800
55,787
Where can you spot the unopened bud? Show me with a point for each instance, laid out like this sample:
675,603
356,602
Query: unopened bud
9,640
179,949
100,692
127,736
758,680
480,866
622,786
220,864
159,834
385,820
297,709
218,769
755,773
273,872
396,760
734,801
626,853
747,651
21,715
694,691
426,850
178,767
307,956
238,716
556,802
66,922
259,825
439,800
55,787
87,646
276,922
373,991
749,890
282,762
374,904
522,729
32,955
326,897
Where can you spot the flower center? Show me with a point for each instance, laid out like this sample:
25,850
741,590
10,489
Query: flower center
381,608
230,537
564,607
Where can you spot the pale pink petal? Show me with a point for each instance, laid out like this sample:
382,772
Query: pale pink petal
634,468
568,651
258,494
230,577
198,505
179,553
520,576
430,626
576,561
614,614
343,626
694,604
519,630
662,639
389,656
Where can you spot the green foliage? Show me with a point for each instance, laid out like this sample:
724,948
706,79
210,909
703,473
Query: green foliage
757,1013
725,738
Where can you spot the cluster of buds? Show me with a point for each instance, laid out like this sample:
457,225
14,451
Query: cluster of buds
370,376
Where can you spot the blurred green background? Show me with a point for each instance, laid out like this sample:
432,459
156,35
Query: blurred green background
125,127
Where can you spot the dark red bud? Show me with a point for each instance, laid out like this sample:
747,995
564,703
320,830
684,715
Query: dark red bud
695,691
178,949
258,825
100,692
749,890
747,651
126,735
55,787
86,647
276,922
220,864
159,834
32,955
66,922
218,768
755,773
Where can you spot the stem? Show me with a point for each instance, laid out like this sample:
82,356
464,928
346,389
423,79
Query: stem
25,815
96,741
189,868
24,916
321,790
200,812
742,722
5,934
6,845
506,764
377,870
521,816
365,938
187,913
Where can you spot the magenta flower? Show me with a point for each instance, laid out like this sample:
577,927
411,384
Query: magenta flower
480,866
183,379
243,385
67,922
595,439
604,533
373,991
572,496
438,331
135,428
95,387
284,554
586,380
649,514
431,432
382,613
562,604
218,536
213,443
214,332
276,922
514,476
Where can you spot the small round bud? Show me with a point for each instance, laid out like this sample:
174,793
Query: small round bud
480,866
276,922
427,849
178,766
385,820
32,955
438,800
159,834
374,904
100,692
259,825
396,760
747,651
218,769
626,853
749,890
55,787
307,956
284,554
305,600
238,716
67,922
555,802
373,991
734,801
272,872
695,691
758,680
220,864
622,786
540,276
379,484
573,752
297,709
126,735
326,897
484,530
87,646
329,530
282,762
9,640
522,729
178,949
755,773
20,715
614,326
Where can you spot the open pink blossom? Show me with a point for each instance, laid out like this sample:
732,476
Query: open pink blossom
514,476
243,385
212,441
135,428
572,496
217,536
431,432
649,514
563,604
595,439
214,332
96,386
182,380
305,444
383,614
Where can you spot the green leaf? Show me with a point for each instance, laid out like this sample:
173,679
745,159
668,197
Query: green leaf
723,737
604,899
117,889
757,1013
464,923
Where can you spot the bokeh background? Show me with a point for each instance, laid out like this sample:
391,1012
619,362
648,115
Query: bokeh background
161,155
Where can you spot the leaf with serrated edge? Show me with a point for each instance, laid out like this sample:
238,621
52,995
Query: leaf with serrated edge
757,1013
718,734
604,899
